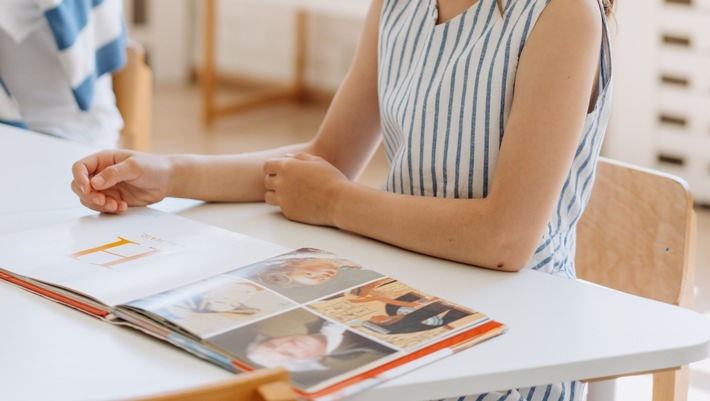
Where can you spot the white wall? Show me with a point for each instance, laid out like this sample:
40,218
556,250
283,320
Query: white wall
254,38
630,136
257,40
168,37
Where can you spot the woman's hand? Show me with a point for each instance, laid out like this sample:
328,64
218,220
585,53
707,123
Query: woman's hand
112,180
305,187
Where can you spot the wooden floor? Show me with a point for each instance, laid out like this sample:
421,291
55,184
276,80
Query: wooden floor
178,129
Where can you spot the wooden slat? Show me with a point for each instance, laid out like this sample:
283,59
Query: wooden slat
133,87
635,233
209,75
260,385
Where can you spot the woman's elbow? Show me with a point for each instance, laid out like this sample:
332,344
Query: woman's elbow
508,262
509,250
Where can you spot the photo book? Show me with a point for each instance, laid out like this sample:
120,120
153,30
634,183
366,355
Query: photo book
240,302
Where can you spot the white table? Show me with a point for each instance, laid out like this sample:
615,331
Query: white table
559,329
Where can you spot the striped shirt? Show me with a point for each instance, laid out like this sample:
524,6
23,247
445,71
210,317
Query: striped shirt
85,40
445,94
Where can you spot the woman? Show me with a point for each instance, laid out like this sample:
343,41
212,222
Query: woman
492,113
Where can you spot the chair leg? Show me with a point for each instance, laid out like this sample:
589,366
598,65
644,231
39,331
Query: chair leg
602,390
299,62
208,75
671,385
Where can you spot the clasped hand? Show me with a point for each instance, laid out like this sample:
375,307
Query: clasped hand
305,187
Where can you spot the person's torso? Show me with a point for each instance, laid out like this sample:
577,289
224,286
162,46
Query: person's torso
445,94
41,96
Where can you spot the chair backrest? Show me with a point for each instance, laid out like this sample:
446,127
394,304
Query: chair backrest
637,235
260,385
133,87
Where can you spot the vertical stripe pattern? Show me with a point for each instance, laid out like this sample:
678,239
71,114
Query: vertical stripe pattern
445,94
9,112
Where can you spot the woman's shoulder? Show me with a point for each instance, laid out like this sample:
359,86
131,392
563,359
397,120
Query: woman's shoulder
588,7
583,15
585,8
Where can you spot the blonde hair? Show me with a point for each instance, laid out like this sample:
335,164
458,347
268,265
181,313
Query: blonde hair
608,6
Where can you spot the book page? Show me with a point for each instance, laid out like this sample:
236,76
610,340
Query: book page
237,297
322,317
119,258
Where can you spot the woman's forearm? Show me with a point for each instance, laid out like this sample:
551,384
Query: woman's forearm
463,230
223,178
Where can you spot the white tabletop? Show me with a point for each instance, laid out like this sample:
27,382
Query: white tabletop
558,329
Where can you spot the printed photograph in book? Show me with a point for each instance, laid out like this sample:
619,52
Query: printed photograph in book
396,313
307,274
226,301
312,349
214,305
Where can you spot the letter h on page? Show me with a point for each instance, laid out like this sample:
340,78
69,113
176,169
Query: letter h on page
111,254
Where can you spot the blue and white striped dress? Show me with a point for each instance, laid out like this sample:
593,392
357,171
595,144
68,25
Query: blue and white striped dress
445,94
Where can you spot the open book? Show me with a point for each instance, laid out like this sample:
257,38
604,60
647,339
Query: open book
240,302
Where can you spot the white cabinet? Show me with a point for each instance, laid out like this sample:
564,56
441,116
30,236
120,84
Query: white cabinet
661,112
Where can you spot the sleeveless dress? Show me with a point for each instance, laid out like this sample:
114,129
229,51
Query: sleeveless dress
445,94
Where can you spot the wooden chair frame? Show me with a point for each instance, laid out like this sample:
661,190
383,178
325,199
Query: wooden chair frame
260,385
209,76
637,235
133,87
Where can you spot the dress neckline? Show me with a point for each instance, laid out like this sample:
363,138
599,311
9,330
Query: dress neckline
455,18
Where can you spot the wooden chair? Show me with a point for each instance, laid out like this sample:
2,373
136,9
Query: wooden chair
637,236
260,385
209,76
133,87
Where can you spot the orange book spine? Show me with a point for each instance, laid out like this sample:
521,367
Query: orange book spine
57,297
